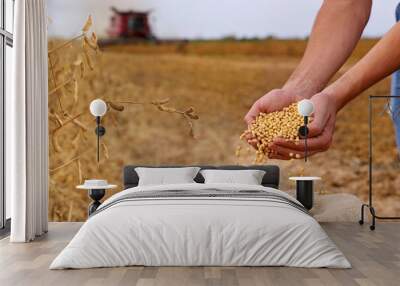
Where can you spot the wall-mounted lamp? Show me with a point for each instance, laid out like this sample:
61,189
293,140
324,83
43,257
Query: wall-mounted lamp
305,108
98,108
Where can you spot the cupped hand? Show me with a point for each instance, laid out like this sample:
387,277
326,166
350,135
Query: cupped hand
321,131
274,100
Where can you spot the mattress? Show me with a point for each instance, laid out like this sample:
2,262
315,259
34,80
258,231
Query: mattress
201,225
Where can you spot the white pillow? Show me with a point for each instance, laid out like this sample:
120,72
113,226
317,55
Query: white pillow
165,176
248,177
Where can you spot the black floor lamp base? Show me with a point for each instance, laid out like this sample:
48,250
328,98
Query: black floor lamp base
96,195
305,193
370,169
373,215
305,190
372,211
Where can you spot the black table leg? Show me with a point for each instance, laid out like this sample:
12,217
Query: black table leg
305,193
96,195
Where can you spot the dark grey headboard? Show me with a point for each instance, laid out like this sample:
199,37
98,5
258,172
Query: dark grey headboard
271,177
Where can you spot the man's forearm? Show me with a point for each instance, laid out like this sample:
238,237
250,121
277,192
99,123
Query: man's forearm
336,31
382,60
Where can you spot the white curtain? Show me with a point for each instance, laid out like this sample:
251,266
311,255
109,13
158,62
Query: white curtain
26,123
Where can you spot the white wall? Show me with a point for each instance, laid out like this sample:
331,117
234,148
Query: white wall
210,18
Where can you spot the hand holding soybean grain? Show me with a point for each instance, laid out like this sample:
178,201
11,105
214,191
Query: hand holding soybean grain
286,147
336,31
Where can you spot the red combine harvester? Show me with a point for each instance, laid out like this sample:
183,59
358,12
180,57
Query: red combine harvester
130,24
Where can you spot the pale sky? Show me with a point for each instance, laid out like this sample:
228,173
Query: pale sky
210,19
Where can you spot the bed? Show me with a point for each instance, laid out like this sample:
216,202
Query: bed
201,224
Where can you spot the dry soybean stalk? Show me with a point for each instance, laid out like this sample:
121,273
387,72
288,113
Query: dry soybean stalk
65,44
69,162
70,63
70,210
80,177
70,119
62,70
51,67
105,150
60,86
63,165
189,114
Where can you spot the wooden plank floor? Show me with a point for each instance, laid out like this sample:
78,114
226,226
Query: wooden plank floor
375,257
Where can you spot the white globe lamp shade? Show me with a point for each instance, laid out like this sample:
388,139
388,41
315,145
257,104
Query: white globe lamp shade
305,107
98,107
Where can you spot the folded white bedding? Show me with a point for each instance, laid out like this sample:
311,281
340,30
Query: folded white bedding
225,225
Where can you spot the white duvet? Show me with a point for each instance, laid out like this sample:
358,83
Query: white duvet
200,231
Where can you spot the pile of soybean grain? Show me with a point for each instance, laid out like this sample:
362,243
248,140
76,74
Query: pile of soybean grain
268,126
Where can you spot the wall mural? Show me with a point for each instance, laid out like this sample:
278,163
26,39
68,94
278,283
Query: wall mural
183,102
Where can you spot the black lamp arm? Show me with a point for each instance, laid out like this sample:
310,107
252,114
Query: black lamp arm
100,131
303,132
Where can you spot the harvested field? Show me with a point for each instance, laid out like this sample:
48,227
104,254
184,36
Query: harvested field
220,80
